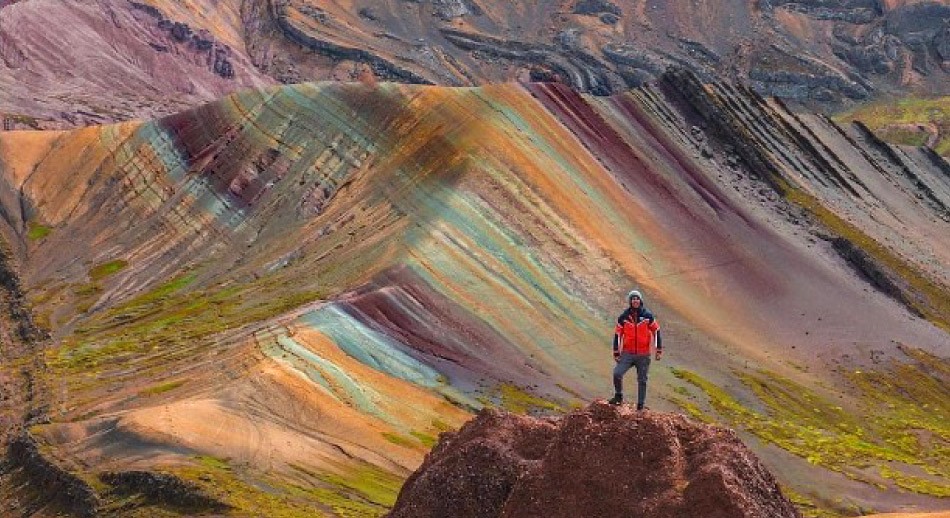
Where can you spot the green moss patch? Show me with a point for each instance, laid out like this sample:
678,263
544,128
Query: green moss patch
162,388
248,498
359,492
356,491
517,400
372,484
400,440
86,296
212,462
427,440
441,426
36,231
808,507
104,270
415,440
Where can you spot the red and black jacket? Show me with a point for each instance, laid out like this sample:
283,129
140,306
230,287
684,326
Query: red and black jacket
635,330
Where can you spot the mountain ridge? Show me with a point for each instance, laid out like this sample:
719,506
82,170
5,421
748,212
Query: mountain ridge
147,58
299,262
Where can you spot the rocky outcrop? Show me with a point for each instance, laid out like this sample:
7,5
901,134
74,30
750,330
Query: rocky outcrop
600,461
565,62
597,7
216,54
382,67
450,9
17,308
878,41
851,11
632,56
20,389
779,72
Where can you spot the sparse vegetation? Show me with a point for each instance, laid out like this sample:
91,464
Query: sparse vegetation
104,270
86,296
441,426
212,462
161,388
427,440
36,231
371,483
169,321
400,440
808,507
358,491
515,399
899,406
894,120
812,506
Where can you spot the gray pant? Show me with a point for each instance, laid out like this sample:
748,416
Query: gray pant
642,363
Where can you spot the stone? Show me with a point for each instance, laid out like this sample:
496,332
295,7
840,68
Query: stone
601,460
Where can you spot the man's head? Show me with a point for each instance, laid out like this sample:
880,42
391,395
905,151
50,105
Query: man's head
635,299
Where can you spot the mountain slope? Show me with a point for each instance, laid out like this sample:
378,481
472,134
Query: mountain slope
908,121
126,59
292,290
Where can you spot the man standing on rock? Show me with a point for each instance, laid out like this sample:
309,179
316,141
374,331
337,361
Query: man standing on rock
633,338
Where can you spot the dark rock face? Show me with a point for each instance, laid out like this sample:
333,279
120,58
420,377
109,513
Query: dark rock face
942,44
776,71
215,54
450,9
51,481
16,305
850,11
596,7
599,461
876,42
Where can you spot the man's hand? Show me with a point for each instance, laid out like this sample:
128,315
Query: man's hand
659,354
616,356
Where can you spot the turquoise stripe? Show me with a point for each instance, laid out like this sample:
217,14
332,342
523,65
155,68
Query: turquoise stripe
370,347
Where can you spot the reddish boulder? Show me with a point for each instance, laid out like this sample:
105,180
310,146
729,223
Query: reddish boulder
599,461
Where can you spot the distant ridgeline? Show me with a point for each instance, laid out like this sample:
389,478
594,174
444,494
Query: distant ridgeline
141,59
275,303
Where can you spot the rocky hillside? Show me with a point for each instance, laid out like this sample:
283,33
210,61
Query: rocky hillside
125,59
600,461
274,303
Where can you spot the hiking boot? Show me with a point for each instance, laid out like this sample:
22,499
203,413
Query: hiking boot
616,400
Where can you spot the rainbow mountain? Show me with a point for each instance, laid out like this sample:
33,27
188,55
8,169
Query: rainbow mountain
274,303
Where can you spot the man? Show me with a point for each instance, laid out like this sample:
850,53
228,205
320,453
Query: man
633,337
